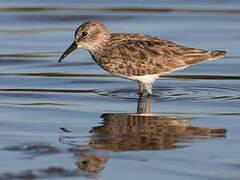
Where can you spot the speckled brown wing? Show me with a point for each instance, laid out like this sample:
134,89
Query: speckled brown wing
138,55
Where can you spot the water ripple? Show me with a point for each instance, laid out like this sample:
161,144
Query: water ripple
133,9
182,93
59,74
51,90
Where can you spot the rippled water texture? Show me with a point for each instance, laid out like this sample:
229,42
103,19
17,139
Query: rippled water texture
75,121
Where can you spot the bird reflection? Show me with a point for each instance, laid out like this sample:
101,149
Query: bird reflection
146,131
90,162
142,130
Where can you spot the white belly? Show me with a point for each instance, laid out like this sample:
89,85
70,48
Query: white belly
144,79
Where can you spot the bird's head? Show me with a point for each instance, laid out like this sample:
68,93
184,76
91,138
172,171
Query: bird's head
91,36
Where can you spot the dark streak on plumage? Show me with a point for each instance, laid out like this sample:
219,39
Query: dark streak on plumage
143,50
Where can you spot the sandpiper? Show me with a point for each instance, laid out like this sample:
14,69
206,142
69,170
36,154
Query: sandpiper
138,57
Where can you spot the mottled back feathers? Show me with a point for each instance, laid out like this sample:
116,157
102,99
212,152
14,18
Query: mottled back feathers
138,55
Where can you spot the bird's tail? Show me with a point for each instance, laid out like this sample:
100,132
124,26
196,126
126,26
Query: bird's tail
215,54
195,56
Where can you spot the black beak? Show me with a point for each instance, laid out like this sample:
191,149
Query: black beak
68,51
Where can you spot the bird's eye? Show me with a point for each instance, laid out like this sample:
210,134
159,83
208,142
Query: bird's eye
84,33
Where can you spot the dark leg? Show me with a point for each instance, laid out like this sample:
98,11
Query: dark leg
140,105
140,90
145,107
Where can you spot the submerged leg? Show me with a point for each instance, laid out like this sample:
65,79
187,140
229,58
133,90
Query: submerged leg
148,87
140,105
148,104
140,91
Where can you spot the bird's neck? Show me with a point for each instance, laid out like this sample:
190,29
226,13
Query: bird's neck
98,50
